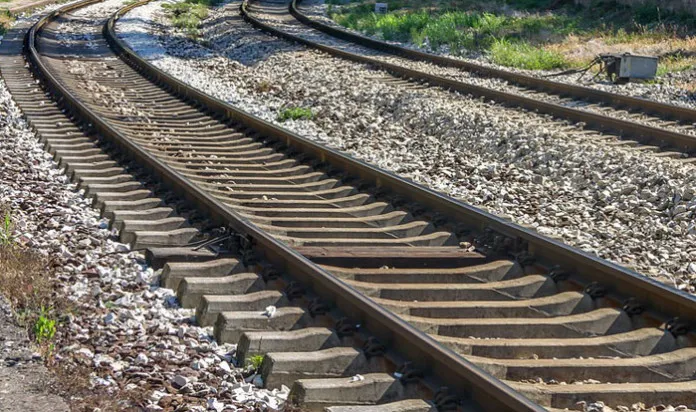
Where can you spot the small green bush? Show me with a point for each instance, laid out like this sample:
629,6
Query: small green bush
524,56
44,328
255,361
295,113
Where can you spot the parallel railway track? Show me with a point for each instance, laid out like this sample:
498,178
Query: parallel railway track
669,128
371,274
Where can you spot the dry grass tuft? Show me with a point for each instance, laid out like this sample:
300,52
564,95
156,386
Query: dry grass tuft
24,279
74,385
5,21
581,50
263,87
27,281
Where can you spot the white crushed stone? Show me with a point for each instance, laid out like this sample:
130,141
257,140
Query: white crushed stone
125,327
627,206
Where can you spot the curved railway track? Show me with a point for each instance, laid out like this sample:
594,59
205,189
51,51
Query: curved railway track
371,274
669,128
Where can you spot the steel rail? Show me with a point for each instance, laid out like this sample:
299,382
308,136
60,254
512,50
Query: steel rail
580,92
635,131
426,354
617,280
319,285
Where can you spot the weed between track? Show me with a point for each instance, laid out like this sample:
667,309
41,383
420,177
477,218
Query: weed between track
263,86
295,113
255,361
188,15
528,34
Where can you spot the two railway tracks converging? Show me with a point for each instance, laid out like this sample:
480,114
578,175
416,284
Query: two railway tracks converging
361,288
667,128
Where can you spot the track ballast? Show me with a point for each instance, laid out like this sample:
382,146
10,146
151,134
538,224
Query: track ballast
340,248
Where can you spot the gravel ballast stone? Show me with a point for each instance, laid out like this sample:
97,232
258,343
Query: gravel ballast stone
627,205
128,333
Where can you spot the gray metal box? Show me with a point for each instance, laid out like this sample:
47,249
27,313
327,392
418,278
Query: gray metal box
381,8
637,67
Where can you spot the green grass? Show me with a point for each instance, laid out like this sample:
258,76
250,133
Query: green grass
6,230
460,31
675,65
524,56
255,361
188,15
44,327
295,113
522,39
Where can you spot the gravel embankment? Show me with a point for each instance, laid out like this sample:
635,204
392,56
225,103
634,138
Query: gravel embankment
631,207
126,331
669,89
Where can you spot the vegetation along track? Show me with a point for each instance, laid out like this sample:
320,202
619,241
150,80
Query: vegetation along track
670,128
370,273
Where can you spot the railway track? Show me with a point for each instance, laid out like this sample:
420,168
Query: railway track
668,128
428,299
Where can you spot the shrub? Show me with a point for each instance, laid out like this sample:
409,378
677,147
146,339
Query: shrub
255,361
44,327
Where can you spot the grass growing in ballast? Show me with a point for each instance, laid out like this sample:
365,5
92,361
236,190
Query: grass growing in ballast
295,113
527,34
187,15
